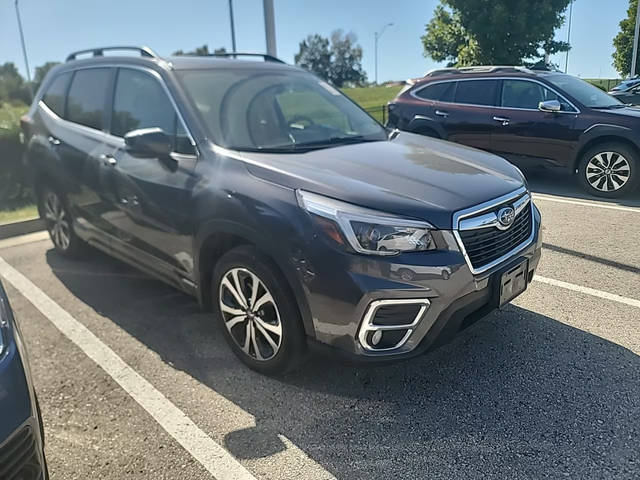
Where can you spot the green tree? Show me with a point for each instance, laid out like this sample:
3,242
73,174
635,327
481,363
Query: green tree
199,51
623,42
499,32
314,56
12,86
338,61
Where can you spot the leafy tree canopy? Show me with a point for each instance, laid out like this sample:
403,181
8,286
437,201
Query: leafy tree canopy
498,32
338,60
199,51
623,42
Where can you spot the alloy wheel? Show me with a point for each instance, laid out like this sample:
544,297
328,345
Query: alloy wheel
250,314
57,221
608,171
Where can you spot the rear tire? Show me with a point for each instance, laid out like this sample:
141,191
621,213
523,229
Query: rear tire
55,212
257,312
609,170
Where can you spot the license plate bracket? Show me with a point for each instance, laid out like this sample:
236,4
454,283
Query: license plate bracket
513,282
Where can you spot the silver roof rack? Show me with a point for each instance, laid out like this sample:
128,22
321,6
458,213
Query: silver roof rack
99,52
265,56
477,69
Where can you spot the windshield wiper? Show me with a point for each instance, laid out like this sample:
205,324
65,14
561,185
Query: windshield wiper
333,141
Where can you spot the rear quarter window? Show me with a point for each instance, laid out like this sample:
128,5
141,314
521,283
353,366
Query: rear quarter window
54,97
442,92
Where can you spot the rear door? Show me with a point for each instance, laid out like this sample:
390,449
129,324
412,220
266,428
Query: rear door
427,108
152,196
526,135
469,118
80,144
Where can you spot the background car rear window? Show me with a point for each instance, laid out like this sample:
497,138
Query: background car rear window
87,97
442,92
54,97
140,102
477,92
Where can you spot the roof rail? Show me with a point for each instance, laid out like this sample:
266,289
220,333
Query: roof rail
477,69
99,52
265,56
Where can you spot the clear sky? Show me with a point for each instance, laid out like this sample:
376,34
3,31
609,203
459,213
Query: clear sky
53,28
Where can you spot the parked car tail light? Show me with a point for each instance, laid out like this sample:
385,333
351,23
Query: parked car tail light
369,231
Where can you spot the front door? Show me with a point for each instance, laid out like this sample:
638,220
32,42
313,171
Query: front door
152,195
526,135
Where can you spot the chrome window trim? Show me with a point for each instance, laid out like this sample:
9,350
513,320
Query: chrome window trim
147,70
367,324
477,209
413,93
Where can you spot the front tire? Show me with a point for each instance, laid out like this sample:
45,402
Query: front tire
257,312
609,170
54,210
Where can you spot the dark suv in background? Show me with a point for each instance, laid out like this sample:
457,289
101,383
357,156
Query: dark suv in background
531,118
277,202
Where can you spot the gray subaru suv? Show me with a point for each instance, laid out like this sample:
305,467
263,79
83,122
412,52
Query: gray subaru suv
284,208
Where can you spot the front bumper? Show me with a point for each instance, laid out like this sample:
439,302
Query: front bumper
448,296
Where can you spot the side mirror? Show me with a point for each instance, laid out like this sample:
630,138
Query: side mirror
148,142
550,106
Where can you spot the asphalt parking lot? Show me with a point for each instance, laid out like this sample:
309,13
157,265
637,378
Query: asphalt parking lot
548,387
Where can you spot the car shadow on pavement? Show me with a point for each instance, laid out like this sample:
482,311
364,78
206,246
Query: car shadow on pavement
556,181
519,395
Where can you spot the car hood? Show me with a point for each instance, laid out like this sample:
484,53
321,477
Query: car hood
410,175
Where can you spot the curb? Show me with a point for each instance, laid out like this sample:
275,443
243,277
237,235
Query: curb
8,230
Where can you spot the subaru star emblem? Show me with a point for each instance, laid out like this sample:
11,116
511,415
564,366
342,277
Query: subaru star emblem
506,216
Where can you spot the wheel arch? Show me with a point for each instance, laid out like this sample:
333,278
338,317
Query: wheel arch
218,237
608,135
423,126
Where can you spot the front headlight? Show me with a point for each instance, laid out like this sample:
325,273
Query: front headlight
367,231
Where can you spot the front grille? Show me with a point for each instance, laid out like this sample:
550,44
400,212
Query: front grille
485,245
19,457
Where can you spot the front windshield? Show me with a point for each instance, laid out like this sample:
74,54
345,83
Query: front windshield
275,110
587,94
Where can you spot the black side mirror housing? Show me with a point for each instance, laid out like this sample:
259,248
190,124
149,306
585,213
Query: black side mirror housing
148,142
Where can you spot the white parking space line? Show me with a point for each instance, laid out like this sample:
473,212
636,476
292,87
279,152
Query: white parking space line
24,239
220,463
589,291
549,198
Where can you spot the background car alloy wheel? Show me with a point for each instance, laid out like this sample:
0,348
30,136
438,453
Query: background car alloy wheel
57,220
608,171
250,314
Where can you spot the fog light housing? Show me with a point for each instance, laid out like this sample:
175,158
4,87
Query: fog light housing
388,324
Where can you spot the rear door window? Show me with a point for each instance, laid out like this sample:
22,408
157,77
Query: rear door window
140,102
441,92
88,96
477,92
54,97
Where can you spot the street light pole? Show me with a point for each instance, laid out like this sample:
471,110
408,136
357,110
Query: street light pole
377,36
270,27
635,42
566,61
233,28
24,49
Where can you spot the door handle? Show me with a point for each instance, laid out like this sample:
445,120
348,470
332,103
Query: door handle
504,120
440,113
108,160
53,140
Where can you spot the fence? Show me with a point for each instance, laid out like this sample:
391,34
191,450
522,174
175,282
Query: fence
379,113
